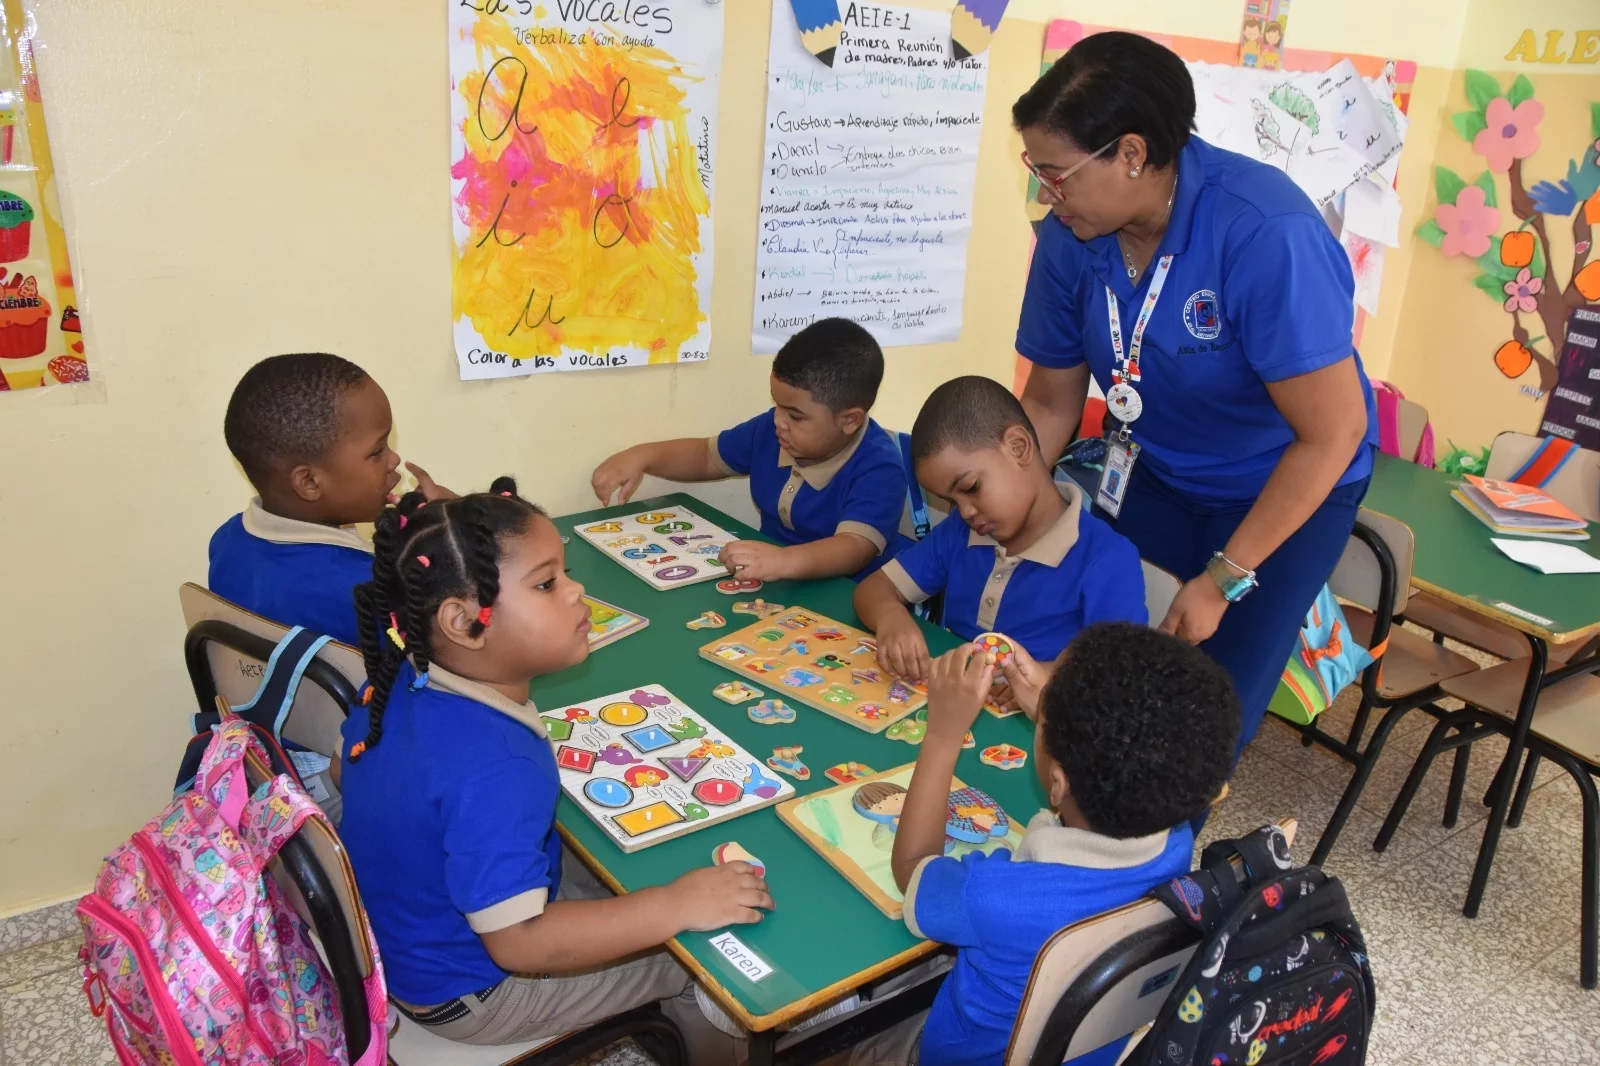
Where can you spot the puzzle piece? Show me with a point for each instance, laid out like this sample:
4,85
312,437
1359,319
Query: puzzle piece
623,713
605,527
711,749
736,692
1003,757
642,776
608,792
831,662
579,759
732,852
652,518
972,816
997,644
765,666
733,586
760,608
578,716
684,767
556,728
694,812
649,699
846,772
829,634
647,739
770,712
718,792
759,784
615,754
871,712
838,695
796,677
686,729
786,760
707,620
909,730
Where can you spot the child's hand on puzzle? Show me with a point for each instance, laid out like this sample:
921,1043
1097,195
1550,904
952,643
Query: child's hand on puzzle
1025,678
619,475
902,649
754,559
958,685
714,896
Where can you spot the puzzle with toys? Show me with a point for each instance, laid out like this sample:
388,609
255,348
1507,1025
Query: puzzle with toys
824,664
665,549
852,827
645,768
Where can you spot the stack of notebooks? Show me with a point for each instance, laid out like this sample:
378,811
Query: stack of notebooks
1519,510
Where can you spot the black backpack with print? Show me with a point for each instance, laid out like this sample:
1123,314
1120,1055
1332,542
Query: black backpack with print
1281,977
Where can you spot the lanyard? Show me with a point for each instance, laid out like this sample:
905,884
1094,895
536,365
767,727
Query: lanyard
1127,363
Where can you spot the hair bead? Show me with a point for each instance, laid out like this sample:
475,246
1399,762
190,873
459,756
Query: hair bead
484,614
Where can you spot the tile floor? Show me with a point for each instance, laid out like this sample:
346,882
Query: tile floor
1502,988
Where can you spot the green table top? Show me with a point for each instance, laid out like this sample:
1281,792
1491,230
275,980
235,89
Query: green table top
1455,560
824,939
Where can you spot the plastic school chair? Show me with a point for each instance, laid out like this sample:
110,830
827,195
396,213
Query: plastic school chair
1091,982
1576,483
1372,578
1160,589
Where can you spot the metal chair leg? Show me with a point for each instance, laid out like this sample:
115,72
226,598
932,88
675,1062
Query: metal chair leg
1408,791
1358,727
1458,784
1530,770
1589,924
1358,780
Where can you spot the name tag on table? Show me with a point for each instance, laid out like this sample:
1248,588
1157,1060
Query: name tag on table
747,962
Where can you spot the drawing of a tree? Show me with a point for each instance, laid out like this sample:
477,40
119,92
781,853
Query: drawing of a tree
1515,267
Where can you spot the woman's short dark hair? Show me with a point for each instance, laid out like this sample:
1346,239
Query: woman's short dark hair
1111,84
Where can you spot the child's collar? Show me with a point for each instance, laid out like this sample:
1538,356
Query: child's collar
1047,840
1054,543
526,713
276,529
819,473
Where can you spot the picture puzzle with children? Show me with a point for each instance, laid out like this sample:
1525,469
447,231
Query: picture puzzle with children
645,768
822,663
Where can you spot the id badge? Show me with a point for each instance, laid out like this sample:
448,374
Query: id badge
1120,457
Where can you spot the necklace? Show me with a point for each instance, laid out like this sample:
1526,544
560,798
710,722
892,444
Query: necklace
1127,259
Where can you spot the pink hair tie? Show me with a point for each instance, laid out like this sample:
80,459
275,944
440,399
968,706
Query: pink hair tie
484,614
505,494
403,521
424,561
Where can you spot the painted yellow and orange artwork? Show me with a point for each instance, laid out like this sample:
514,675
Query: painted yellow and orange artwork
582,167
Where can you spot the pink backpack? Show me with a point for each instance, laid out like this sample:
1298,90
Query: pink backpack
193,955
1389,398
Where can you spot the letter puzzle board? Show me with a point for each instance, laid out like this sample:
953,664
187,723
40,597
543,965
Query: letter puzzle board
665,548
852,827
645,768
822,663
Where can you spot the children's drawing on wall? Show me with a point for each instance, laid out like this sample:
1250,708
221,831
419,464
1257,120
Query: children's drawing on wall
1552,325
1261,33
41,337
581,166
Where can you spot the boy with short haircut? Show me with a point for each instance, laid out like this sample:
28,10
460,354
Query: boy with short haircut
311,431
1133,737
827,479
1024,560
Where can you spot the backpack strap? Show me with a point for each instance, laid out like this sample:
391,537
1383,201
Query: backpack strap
1265,854
269,707
919,506
1545,462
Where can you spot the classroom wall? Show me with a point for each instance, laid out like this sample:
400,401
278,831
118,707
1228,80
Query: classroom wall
240,180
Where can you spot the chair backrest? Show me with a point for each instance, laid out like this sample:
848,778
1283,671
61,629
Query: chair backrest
1576,484
1160,589
1102,979
315,875
1359,577
1413,421
227,650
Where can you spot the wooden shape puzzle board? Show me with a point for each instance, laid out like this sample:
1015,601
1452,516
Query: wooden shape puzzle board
856,835
821,663
610,623
645,768
665,549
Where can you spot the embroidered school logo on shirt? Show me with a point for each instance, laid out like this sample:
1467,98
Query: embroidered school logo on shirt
1202,316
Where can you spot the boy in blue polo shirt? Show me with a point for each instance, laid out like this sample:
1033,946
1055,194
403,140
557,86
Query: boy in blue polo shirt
311,431
1133,737
1024,560
828,480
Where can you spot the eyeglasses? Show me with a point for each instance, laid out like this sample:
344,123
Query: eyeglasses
1054,183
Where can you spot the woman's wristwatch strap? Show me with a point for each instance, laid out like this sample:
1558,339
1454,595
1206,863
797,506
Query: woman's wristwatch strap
1234,580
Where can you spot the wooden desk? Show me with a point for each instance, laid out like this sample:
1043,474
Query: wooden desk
825,940
1455,561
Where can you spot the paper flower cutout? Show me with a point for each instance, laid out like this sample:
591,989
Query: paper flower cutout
1468,223
1510,133
1521,291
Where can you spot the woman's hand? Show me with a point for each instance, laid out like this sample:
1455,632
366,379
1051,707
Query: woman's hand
1196,610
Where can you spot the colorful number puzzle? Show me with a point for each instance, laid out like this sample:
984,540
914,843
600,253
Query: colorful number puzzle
645,768
852,827
824,664
665,549
610,623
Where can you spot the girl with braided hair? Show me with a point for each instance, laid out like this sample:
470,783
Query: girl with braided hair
450,790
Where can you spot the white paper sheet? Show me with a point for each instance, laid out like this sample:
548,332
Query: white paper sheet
1372,210
1548,558
866,197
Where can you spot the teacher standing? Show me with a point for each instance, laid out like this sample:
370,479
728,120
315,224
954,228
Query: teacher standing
1212,304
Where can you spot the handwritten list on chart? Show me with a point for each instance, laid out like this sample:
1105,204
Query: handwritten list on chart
866,193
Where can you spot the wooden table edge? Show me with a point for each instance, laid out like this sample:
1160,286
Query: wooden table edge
756,1023
1508,618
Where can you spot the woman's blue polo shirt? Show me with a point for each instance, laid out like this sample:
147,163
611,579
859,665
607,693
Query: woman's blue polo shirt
1259,291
